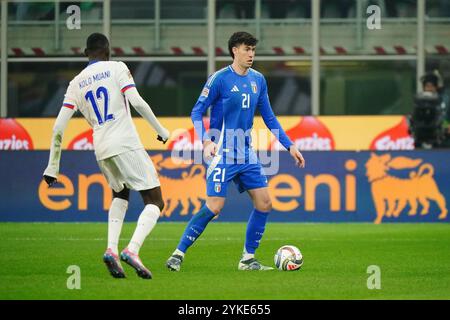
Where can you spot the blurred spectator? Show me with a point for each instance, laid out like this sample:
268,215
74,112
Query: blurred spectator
302,9
406,8
289,9
336,9
388,8
38,11
226,10
438,8
235,9
132,9
34,11
183,9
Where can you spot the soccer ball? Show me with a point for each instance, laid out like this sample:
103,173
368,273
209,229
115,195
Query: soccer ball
288,258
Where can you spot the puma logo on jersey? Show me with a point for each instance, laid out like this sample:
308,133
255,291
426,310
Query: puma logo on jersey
235,89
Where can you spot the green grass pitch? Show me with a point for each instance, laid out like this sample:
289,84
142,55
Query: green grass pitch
414,260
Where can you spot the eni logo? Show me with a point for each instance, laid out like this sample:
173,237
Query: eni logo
191,188
391,194
285,189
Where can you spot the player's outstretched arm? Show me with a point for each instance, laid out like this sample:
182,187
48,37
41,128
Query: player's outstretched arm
146,112
52,170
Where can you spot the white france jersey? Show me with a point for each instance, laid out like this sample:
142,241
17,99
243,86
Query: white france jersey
99,93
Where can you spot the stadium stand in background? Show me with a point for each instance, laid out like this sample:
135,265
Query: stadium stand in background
169,51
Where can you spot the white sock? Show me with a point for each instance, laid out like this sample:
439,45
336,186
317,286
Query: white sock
116,215
178,252
146,222
246,255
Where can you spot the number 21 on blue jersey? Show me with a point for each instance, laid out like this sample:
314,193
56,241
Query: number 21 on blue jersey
245,101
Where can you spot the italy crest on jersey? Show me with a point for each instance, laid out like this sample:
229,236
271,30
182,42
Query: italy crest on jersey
217,187
254,87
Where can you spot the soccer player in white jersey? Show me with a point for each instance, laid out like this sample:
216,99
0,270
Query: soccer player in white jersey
101,93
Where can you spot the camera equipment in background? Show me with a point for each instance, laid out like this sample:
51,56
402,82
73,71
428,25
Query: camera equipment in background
427,121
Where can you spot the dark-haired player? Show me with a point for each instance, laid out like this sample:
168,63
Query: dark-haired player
234,93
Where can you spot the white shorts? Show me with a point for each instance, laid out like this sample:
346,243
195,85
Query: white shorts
133,169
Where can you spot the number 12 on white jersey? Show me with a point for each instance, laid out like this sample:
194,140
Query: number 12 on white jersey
101,91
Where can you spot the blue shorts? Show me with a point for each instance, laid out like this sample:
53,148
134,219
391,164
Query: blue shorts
245,176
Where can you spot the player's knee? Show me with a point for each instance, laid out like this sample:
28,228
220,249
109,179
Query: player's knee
160,204
154,199
265,205
123,194
215,207
157,201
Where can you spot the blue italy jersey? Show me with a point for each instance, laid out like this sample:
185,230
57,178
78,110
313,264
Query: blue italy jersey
234,99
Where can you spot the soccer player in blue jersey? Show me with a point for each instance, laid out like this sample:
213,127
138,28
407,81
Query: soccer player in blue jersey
234,93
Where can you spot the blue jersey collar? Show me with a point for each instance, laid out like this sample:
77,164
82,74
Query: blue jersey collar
239,75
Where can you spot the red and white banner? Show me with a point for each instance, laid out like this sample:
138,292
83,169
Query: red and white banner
440,49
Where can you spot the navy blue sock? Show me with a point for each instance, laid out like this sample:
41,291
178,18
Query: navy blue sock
255,230
195,228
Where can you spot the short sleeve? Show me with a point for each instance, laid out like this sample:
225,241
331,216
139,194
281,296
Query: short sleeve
124,77
70,98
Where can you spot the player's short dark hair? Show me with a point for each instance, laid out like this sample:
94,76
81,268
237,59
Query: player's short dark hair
97,43
239,38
